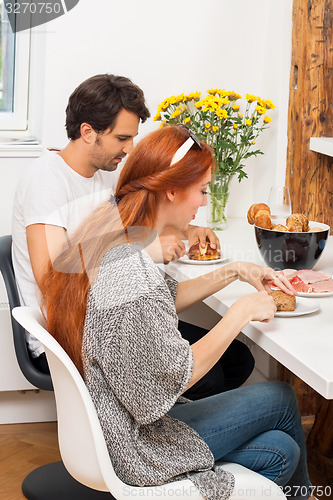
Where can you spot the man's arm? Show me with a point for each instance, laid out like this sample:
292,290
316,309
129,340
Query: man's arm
43,243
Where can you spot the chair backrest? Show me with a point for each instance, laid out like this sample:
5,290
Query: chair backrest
31,373
81,441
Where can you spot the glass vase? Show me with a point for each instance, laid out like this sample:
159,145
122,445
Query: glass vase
218,196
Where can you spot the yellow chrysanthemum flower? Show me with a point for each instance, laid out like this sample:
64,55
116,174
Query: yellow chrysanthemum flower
215,128
207,126
235,126
210,107
240,115
251,98
176,113
221,113
267,119
236,107
180,97
233,96
163,124
248,122
173,100
253,142
212,91
198,104
187,120
260,110
157,117
192,95
223,93
268,104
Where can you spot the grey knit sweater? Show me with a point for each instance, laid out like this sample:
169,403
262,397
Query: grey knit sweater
136,366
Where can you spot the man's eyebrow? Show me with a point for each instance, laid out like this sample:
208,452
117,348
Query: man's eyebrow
126,135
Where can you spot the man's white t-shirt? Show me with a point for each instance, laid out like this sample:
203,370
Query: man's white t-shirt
50,192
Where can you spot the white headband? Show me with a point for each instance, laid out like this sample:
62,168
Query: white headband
181,152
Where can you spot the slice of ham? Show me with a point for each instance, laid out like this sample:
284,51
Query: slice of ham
289,273
308,281
306,275
322,286
309,277
298,284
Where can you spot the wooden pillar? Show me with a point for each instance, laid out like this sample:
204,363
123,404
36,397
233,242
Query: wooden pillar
309,174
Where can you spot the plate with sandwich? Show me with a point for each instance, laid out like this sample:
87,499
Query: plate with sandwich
290,305
198,255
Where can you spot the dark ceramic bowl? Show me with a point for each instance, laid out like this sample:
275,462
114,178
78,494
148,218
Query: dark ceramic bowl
283,250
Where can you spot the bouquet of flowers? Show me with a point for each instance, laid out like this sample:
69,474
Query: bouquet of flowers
229,123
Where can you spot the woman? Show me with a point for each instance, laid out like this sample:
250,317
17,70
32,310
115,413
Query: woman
116,316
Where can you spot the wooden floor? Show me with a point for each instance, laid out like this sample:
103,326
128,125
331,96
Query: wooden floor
23,447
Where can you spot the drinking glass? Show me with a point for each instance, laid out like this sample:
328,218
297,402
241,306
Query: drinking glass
279,202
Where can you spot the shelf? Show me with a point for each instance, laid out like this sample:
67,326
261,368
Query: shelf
322,145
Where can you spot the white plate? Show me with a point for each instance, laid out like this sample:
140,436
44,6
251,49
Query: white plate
302,307
314,295
186,260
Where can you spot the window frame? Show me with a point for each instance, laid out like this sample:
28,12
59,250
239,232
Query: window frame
17,120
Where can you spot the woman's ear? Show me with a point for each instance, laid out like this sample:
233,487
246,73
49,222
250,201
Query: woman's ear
170,195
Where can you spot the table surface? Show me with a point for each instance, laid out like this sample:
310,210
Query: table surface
304,344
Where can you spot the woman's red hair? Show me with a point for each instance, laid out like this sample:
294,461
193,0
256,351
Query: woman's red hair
147,174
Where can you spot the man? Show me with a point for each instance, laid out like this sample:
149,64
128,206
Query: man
61,188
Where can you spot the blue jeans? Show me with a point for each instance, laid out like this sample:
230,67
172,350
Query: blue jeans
258,426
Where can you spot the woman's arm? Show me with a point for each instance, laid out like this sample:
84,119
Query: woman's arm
193,291
208,350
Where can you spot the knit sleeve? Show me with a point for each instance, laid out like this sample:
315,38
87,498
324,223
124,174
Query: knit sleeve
172,284
147,364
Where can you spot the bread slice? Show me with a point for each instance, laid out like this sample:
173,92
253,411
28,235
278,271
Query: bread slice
283,301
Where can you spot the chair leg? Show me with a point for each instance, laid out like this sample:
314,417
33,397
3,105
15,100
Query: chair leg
53,482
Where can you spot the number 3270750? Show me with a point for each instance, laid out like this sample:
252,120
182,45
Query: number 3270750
34,8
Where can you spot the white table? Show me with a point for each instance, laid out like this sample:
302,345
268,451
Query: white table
303,344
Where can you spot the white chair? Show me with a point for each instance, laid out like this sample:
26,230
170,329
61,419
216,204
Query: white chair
81,441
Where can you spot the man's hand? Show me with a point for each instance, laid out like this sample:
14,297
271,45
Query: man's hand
201,234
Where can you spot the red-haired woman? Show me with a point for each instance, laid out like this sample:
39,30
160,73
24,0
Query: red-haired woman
114,313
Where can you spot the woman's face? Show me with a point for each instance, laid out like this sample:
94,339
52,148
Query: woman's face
187,202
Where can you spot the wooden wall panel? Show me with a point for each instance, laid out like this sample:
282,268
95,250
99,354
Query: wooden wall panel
310,174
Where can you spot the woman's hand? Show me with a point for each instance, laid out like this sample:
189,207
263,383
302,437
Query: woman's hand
259,277
166,248
256,307
201,234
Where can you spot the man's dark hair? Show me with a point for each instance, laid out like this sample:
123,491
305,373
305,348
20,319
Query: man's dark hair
99,99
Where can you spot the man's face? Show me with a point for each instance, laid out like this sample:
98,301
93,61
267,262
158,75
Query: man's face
111,147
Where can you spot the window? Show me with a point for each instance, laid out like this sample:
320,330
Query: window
14,75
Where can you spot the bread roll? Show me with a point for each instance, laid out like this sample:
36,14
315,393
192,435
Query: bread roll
295,227
283,301
263,219
297,223
197,252
254,209
280,227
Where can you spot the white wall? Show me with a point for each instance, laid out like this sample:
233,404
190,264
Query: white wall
167,48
